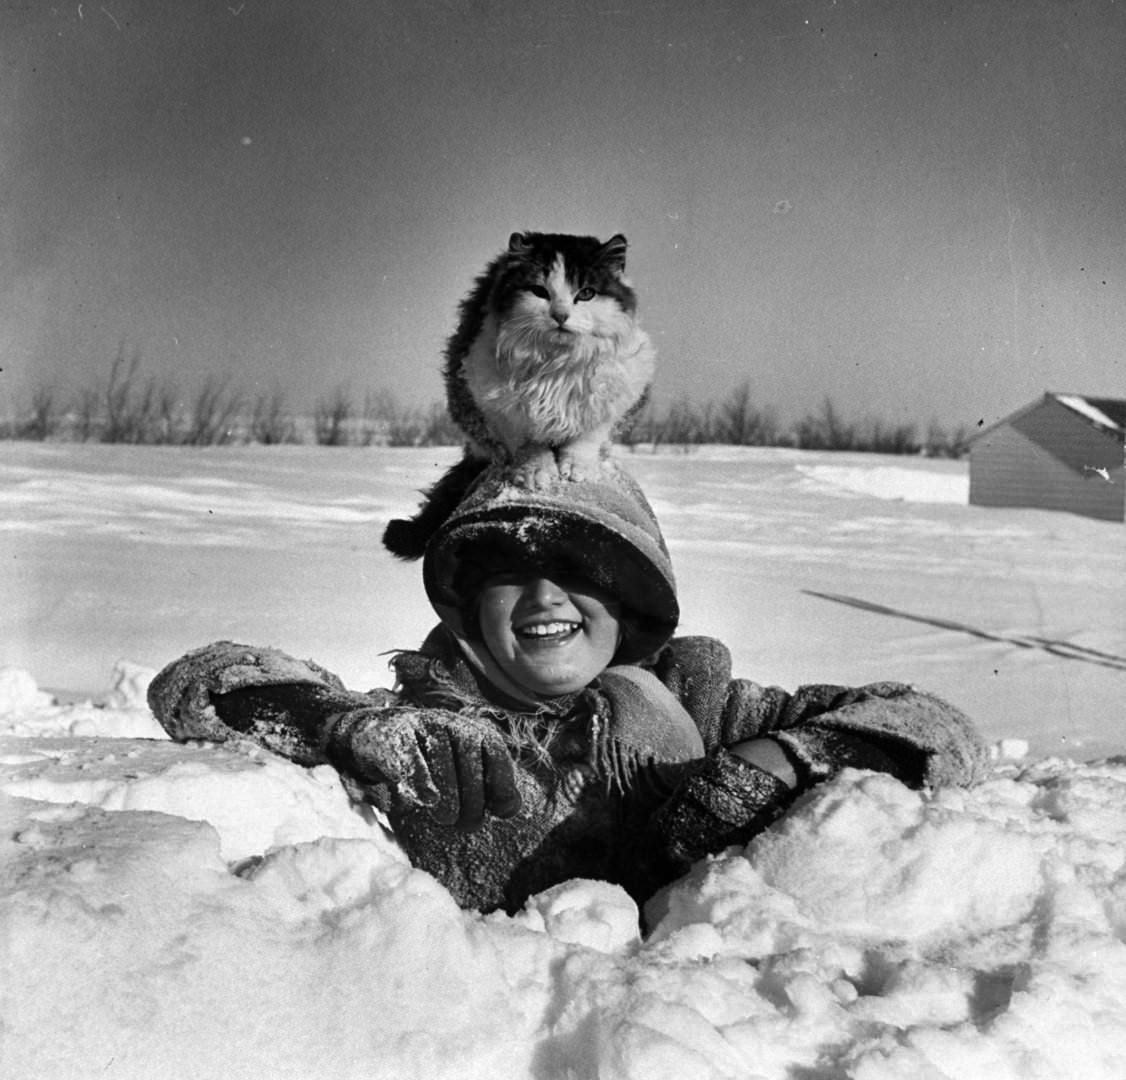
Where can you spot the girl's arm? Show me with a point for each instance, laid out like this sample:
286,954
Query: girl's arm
889,727
765,746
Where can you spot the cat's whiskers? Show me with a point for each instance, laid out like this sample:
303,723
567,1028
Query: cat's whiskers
526,346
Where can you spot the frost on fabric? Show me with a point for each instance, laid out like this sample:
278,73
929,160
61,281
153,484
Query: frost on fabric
204,911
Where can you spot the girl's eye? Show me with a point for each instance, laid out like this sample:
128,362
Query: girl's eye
585,294
540,291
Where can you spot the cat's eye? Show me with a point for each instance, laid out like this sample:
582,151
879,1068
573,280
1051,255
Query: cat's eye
540,291
586,293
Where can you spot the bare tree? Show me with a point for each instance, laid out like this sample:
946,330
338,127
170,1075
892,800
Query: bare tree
438,428
381,413
884,438
947,444
166,414
117,395
86,409
127,406
213,412
740,422
330,418
270,420
44,420
684,424
825,430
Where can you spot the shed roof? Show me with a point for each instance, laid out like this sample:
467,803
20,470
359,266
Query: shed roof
1107,414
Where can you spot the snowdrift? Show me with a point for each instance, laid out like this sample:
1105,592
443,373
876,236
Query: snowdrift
214,911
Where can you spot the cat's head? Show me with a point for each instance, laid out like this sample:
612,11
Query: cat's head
564,284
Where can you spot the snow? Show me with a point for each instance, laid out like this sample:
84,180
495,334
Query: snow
213,911
892,482
1085,408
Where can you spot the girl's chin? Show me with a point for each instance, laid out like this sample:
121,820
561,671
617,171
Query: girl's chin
553,681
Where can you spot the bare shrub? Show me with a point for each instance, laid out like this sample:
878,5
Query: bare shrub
270,420
439,429
684,424
940,443
130,407
127,408
380,415
738,420
331,418
825,430
213,414
43,420
166,414
86,413
882,438
386,422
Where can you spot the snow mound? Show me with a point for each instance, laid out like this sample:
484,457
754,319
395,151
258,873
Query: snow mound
232,916
122,713
251,799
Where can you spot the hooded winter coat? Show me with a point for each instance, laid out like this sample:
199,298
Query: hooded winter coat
626,780
596,771
593,793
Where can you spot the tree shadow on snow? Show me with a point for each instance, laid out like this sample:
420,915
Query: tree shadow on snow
1064,649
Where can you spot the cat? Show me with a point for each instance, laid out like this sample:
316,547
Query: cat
548,361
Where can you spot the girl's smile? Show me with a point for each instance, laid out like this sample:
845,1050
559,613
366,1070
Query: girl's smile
551,634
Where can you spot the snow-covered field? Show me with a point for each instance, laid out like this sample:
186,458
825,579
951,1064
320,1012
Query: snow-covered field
197,911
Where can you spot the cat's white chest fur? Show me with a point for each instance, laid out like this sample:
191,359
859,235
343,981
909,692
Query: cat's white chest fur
552,394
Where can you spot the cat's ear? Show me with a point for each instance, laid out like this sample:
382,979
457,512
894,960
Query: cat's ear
518,244
613,253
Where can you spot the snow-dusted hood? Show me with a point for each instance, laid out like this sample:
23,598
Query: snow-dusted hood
605,528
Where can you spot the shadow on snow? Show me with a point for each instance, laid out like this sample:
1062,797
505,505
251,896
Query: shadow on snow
1064,649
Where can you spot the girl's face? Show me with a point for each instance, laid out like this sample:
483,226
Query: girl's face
551,633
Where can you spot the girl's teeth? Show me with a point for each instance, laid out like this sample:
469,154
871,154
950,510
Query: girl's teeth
548,629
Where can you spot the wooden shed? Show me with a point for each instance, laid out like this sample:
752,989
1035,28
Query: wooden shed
1063,452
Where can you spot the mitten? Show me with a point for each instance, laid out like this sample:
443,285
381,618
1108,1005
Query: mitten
648,725
226,691
640,701
454,765
727,801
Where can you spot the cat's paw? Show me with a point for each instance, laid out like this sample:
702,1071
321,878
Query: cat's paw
580,471
537,477
535,470
580,467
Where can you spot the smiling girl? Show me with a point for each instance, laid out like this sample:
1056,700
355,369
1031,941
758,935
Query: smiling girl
551,726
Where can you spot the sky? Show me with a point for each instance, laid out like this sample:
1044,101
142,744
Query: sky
913,208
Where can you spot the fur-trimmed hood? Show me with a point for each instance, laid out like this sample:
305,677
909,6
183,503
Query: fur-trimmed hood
604,528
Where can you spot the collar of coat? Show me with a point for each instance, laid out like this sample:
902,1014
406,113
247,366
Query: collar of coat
623,735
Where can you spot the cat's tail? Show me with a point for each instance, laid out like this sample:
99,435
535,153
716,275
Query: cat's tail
406,538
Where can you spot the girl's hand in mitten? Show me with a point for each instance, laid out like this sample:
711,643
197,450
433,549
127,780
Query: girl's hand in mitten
455,766
727,801
227,691
641,703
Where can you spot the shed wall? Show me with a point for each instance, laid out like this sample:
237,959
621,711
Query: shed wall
1047,458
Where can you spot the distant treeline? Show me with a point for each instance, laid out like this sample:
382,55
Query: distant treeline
128,407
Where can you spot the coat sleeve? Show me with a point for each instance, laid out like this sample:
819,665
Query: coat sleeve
889,727
227,691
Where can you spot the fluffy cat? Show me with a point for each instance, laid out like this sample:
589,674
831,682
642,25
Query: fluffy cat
547,361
